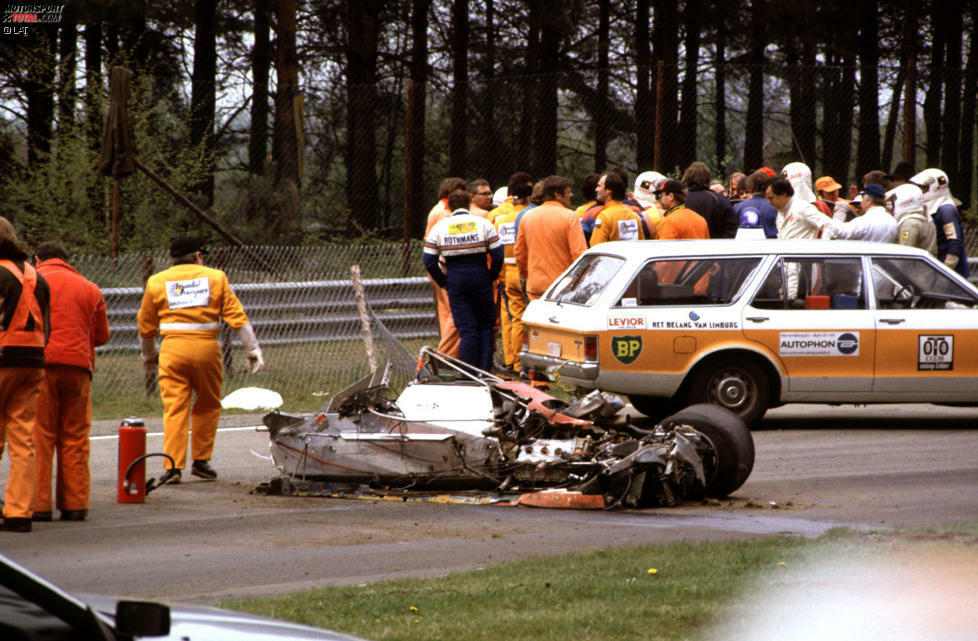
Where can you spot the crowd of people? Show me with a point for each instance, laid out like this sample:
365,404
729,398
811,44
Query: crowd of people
490,253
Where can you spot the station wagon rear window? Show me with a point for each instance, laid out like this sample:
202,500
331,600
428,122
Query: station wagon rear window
586,280
689,281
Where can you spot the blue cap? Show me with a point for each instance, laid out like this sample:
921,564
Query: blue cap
874,189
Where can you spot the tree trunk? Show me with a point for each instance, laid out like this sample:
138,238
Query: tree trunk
460,88
524,140
686,149
644,96
935,90
720,94
285,139
868,149
911,13
601,120
39,88
666,51
363,29
494,152
754,125
93,83
968,107
261,62
203,99
67,63
414,198
545,139
886,161
951,119
807,122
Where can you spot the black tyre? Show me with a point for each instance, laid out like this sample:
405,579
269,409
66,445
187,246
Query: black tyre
739,385
655,407
729,456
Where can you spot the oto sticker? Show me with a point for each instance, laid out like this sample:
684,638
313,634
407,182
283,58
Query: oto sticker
819,344
935,353
626,348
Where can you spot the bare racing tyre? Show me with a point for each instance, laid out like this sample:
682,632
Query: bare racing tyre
727,449
737,384
655,407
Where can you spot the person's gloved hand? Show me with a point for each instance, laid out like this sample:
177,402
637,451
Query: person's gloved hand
255,359
246,334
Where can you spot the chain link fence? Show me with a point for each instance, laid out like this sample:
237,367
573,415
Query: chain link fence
304,313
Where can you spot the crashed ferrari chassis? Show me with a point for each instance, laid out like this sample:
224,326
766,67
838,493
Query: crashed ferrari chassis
458,428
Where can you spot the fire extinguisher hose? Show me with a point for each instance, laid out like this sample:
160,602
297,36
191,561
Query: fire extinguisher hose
150,484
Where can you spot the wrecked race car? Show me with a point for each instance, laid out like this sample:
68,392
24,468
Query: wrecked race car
455,428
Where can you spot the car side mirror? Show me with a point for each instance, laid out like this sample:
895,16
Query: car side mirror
142,619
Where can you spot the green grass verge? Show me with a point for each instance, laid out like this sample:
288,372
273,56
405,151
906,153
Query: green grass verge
675,591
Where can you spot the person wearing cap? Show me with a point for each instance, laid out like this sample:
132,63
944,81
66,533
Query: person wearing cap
828,192
185,305
64,408
481,197
713,207
874,223
797,216
615,221
942,210
914,228
461,242
511,300
24,329
756,211
679,221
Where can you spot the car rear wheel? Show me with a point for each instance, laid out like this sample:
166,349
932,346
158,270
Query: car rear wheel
728,448
737,384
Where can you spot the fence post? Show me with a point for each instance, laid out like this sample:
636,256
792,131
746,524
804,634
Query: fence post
368,337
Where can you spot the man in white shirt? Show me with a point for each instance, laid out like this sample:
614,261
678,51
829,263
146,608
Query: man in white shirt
797,218
874,223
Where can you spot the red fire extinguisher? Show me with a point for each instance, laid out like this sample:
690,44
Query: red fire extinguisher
132,461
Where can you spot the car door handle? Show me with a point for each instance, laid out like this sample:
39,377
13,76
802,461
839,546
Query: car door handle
892,321
758,319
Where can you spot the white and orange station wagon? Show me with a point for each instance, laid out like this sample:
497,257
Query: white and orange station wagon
752,324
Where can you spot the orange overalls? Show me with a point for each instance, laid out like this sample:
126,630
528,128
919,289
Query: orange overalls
448,334
21,373
64,409
185,304
511,303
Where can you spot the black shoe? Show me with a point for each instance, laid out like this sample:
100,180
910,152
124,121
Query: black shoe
204,470
41,516
170,477
74,515
16,524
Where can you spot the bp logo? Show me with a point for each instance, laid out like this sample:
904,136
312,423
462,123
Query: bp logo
626,348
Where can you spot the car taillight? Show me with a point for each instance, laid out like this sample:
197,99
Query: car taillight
591,348
526,340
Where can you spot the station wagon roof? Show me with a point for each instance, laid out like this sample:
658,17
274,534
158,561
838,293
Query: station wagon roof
641,250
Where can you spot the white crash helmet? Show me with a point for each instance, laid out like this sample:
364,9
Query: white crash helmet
800,177
646,183
499,196
934,184
905,200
